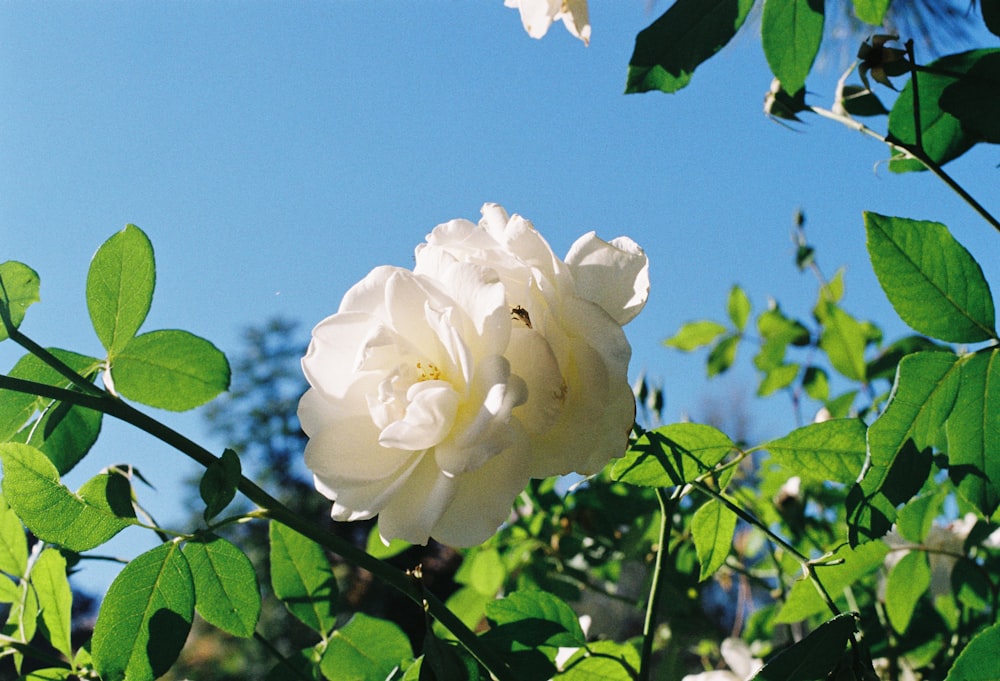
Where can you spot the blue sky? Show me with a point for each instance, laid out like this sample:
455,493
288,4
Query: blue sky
276,152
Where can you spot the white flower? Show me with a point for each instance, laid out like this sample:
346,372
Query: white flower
742,664
409,410
566,342
538,15
437,394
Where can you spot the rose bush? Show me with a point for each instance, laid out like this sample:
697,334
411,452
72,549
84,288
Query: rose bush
436,394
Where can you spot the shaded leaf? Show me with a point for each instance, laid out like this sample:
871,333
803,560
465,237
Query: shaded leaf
860,101
302,578
145,617
908,581
815,656
722,356
804,601
52,512
791,32
170,369
120,287
672,455
974,99
713,527
365,649
377,548
218,484
227,595
991,15
973,431
669,50
602,661
832,450
944,138
18,290
932,281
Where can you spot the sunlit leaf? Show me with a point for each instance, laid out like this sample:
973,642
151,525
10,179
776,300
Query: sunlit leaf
944,137
738,307
302,578
973,431
376,548
844,340
226,592
694,335
932,281
899,441
50,510
916,519
978,662
170,369
777,378
13,544
120,287
871,11
713,527
672,455
365,649
832,450
48,575
669,50
18,289
791,31
815,656
908,581
884,365
145,617
804,600
602,661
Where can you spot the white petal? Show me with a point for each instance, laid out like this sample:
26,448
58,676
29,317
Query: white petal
614,275
532,359
429,416
416,506
348,452
332,361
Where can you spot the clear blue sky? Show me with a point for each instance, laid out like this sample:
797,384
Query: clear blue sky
276,151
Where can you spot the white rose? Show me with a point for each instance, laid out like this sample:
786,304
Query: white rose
566,342
538,15
409,414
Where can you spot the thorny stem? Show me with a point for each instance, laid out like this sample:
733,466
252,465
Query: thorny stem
667,506
272,508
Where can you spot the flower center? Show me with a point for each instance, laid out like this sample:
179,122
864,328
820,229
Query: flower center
428,371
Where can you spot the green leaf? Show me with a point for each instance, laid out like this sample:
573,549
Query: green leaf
52,512
120,287
900,440
668,50
227,595
944,137
844,340
365,649
860,101
885,364
18,289
908,581
722,356
694,335
974,99
777,378
871,12
738,307
483,570
713,527
602,661
815,656
145,617
804,600
832,450
13,544
218,484
64,432
302,578
916,519
935,285
791,31
672,455
170,369
49,674
978,662
991,15
816,383
48,576
378,549
973,431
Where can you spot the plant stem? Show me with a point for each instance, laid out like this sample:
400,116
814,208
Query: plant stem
667,505
274,510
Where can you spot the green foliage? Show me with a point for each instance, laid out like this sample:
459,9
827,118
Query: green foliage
831,451
791,31
218,485
145,617
908,581
225,584
365,649
18,290
302,578
813,658
672,455
712,526
978,662
55,600
52,512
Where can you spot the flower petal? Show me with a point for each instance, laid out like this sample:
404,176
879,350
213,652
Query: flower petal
430,413
614,275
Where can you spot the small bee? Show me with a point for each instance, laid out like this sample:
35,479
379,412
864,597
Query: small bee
519,313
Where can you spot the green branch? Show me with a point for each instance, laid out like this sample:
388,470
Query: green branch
667,506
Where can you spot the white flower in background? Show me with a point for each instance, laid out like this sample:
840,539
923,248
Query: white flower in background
566,342
538,15
742,664
436,394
